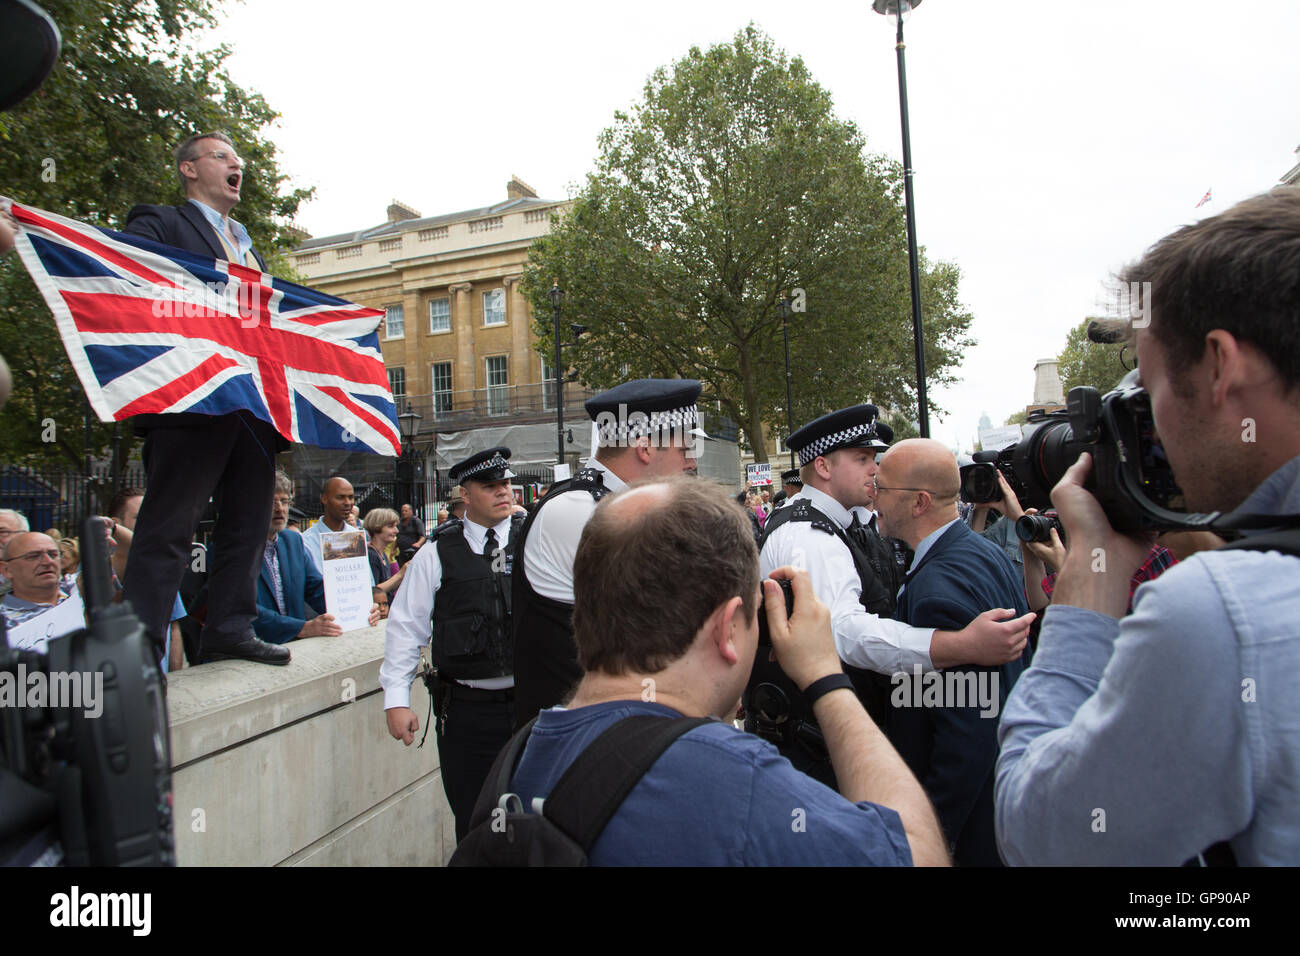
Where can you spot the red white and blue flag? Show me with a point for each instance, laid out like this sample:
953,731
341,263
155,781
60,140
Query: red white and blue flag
1204,199
151,328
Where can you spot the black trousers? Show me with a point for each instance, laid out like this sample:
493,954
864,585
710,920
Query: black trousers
473,734
231,459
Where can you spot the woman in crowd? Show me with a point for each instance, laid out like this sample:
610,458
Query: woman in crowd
381,524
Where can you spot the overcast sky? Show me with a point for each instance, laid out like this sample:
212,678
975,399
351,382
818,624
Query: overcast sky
1052,141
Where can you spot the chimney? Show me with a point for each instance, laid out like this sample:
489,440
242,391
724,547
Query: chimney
399,211
518,189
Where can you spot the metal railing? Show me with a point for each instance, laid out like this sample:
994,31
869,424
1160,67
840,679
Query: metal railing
498,404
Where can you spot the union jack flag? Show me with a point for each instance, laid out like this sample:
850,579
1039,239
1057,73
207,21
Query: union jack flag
151,328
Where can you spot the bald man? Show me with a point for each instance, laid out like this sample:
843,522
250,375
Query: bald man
337,500
945,724
31,561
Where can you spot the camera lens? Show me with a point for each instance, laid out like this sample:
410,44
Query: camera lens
1037,527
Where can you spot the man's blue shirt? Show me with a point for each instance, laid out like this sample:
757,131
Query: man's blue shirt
717,797
1147,740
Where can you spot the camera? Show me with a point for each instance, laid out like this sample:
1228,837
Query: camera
96,784
764,634
1039,527
1131,478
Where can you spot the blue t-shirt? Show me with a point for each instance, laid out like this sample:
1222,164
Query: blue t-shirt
717,797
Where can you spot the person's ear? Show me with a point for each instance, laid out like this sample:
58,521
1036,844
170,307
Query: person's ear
1228,366
643,453
731,625
823,466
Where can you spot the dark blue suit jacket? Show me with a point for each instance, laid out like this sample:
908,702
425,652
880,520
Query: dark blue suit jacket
952,750
303,587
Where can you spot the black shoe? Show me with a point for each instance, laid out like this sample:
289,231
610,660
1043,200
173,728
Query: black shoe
252,649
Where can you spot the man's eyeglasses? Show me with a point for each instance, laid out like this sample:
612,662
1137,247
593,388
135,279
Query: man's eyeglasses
221,156
31,557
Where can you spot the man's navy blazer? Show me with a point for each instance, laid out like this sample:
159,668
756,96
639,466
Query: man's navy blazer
181,226
303,587
952,750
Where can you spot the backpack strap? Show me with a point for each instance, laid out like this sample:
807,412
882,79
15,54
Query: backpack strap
497,783
596,784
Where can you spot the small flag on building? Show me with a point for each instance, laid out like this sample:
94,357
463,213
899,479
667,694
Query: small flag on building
1204,199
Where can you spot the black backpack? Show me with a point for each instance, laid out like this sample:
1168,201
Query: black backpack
570,820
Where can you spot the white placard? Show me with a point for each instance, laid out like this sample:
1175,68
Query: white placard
759,473
348,581
995,439
63,619
562,472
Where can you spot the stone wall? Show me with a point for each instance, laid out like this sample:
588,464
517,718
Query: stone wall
294,765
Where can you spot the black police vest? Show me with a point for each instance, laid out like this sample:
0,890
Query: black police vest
472,634
876,572
774,707
546,658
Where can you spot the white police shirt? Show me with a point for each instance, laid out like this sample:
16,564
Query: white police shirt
412,610
861,638
553,539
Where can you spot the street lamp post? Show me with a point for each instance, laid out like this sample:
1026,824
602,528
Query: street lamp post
409,422
556,296
784,305
898,9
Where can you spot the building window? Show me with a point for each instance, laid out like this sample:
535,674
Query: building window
441,388
548,384
494,307
440,315
394,322
397,385
498,380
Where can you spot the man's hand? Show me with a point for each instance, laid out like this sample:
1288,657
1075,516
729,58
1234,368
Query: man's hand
8,229
321,626
402,724
374,616
988,640
1010,504
802,642
1100,563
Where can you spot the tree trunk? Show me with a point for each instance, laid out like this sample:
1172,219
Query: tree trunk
753,409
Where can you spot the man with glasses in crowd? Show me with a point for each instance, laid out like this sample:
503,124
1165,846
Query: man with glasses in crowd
819,532
191,457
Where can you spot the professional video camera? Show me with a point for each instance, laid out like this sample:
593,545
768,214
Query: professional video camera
1131,478
96,784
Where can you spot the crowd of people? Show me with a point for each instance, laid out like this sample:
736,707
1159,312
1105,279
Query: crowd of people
929,690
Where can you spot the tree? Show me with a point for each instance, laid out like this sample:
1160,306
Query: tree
1017,418
130,84
1084,362
730,185
903,426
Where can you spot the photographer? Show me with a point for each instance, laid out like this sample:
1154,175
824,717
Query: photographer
1152,738
649,646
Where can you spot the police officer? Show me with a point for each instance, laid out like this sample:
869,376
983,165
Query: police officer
819,531
791,485
468,571
645,428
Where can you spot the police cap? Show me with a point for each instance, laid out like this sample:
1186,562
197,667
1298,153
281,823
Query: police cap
853,427
487,465
646,406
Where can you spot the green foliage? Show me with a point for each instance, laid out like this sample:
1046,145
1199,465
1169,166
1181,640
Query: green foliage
1083,362
731,184
903,426
1017,418
131,83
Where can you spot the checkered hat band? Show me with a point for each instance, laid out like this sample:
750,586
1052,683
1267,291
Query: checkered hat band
496,461
636,424
823,444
